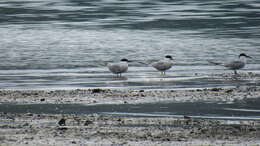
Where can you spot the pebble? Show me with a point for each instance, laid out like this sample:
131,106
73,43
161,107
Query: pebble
62,122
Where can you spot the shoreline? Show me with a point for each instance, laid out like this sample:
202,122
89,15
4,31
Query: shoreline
108,96
99,129
92,96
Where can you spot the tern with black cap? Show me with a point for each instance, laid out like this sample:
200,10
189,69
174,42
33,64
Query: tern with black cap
234,65
119,67
164,64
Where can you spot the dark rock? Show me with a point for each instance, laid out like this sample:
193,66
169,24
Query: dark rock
141,90
166,139
252,129
87,123
74,142
29,114
216,89
62,122
97,90
42,99
26,124
63,128
229,91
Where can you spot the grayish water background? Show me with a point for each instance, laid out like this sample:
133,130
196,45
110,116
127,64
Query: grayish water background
67,43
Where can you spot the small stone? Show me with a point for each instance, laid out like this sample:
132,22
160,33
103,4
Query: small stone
216,89
87,123
97,90
62,122
141,90
74,142
26,124
63,128
229,91
42,99
29,114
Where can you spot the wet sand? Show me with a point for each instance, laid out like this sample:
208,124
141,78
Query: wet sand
107,96
98,129
34,129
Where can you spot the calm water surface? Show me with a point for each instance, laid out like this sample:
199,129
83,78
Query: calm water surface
67,43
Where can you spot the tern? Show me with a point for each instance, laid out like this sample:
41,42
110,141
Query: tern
235,65
163,64
119,68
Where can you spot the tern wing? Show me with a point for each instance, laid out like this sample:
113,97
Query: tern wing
162,65
117,67
235,65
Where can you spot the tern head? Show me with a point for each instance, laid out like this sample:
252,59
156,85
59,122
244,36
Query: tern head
169,57
244,55
124,60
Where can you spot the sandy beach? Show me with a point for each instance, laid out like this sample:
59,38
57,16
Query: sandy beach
100,129
34,129
108,96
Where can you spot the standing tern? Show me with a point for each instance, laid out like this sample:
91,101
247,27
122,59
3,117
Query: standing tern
234,65
163,64
119,68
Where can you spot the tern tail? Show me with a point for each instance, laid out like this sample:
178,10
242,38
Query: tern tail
215,63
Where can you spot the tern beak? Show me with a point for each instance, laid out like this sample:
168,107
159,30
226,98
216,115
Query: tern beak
248,56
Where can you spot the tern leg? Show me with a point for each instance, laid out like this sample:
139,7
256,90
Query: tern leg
163,72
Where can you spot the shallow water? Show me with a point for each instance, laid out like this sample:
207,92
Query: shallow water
67,43
240,110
